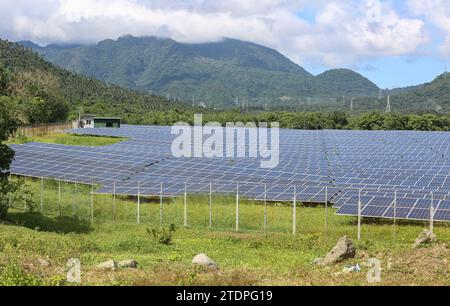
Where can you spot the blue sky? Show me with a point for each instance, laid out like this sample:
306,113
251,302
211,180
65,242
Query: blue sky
394,43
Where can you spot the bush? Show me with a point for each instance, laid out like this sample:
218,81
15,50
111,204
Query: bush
163,235
14,275
15,194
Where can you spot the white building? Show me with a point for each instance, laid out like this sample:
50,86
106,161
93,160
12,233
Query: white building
87,121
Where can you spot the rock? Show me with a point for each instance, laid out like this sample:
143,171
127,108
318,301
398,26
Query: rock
43,262
130,263
425,237
317,261
204,261
108,265
344,249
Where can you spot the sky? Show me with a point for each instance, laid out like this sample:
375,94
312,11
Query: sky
394,43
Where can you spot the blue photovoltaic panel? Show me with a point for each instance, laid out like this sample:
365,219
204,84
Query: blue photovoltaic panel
343,167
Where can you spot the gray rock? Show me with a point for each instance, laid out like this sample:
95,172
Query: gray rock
130,263
204,261
43,262
344,249
426,237
108,265
317,261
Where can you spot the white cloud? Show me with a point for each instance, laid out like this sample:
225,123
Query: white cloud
437,13
345,31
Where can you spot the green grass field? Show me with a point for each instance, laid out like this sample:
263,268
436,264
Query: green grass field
247,257
68,139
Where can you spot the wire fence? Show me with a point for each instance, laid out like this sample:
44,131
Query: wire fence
58,198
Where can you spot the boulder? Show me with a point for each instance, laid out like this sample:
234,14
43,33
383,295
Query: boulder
344,249
108,265
130,263
204,261
426,237
317,261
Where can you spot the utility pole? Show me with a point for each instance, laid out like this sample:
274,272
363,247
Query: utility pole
193,100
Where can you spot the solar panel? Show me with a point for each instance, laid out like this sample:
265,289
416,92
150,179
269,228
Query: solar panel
323,165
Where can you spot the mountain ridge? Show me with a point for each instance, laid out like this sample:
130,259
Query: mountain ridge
216,72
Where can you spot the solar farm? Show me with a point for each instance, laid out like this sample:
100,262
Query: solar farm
375,174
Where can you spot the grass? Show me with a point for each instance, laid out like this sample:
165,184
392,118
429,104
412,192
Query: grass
247,257
68,139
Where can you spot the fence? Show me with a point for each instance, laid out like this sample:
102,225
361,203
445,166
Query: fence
58,198
41,129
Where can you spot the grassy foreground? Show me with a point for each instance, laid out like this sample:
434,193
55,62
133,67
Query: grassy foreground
68,139
249,257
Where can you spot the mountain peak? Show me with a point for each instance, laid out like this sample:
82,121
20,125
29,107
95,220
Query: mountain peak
216,72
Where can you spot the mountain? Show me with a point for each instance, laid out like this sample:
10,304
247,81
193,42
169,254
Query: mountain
433,96
347,82
31,70
215,73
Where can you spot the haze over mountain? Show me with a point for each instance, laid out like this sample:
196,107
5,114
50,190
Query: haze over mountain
215,73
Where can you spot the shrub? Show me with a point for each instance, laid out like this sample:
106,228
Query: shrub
163,235
14,275
15,194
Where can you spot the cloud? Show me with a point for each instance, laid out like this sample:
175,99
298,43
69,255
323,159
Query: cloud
437,13
344,31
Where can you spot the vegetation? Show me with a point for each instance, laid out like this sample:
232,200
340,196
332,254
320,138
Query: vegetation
36,92
250,257
216,73
10,192
69,139
40,92
309,120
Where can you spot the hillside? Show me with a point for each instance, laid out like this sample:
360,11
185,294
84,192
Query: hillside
90,94
434,95
346,82
216,73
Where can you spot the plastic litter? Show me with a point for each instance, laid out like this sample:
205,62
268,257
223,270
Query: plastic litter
352,269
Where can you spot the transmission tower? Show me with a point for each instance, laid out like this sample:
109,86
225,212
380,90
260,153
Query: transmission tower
388,107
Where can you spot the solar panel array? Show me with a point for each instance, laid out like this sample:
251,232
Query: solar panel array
400,174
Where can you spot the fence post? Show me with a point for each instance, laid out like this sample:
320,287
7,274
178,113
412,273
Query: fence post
237,207
59,197
42,195
359,215
432,213
265,208
92,201
326,210
75,199
10,201
395,217
139,204
210,205
161,206
114,201
25,204
185,205
294,214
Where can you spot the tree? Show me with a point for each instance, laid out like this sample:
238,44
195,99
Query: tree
40,96
8,125
5,78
